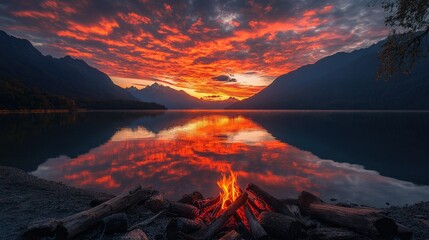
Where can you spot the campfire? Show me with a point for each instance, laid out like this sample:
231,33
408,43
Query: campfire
251,213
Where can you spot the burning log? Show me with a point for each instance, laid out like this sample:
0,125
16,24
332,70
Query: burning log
73,225
334,233
272,203
257,230
214,227
232,235
367,221
201,204
241,228
254,206
281,226
183,210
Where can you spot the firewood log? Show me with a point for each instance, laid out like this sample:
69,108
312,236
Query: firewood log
209,232
201,204
281,226
183,210
329,233
253,205
257,230
369,222
231,235
272,203
69,227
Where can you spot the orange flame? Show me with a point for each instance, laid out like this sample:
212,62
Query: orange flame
230,189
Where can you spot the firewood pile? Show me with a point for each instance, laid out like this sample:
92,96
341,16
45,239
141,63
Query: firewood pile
254,214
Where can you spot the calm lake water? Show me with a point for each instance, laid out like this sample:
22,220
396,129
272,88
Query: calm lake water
363,157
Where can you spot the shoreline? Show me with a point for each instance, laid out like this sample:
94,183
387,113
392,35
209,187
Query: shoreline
27,199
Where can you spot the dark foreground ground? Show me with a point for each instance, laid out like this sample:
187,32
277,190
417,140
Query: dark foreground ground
25,199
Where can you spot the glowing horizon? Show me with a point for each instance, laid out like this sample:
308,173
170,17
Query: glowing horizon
215,48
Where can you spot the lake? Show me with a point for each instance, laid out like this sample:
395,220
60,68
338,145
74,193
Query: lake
362,157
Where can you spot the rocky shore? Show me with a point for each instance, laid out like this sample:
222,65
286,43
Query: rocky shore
26,199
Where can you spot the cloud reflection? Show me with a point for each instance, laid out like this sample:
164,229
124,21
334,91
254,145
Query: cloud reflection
190,156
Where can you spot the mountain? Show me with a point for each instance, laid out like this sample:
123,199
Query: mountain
345,81
29,79
175,99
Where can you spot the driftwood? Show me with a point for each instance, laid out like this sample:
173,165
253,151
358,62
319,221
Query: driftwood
253,205
147,221
367,221
328,233
271,202
214,227
183,210
136,234
257,230
71,226
115,223
241,228
156,202
231,235
281,226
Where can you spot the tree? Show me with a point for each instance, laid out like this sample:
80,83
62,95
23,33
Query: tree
408,38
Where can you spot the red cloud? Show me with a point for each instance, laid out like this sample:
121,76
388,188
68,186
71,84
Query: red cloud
164,41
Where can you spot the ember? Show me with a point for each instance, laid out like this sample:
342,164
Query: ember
230,189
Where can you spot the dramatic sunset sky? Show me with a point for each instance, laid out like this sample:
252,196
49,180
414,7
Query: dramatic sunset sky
211,49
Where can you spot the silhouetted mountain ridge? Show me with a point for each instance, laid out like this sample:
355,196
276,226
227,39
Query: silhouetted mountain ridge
38,81
176,99
344,81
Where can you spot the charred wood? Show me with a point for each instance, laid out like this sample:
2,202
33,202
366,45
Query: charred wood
210,231
271,202
257,230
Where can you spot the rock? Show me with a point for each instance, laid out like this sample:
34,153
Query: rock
136,234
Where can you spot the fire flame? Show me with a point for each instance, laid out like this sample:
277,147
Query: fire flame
230,189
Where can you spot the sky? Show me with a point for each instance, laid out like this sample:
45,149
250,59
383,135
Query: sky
212,49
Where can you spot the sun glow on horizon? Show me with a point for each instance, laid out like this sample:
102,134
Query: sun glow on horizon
221,48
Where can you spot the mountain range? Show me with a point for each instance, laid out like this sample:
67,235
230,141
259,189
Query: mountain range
345,81
29,80
176,99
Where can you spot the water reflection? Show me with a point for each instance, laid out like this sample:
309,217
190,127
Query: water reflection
190,151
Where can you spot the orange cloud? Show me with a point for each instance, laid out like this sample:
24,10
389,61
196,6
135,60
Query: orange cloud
169,42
